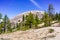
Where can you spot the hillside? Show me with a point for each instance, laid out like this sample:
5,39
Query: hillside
33,34
19,16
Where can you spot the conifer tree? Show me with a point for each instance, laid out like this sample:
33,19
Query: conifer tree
23,20
51,12
5,20
46,19
56,16
29,20
0,22
36,22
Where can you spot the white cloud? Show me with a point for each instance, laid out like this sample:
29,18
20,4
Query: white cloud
35,3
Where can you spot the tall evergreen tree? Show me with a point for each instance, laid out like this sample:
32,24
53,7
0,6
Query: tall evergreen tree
36,22
5,20
37,19
59,17
46,19
51,12
0,22
23,18
56,16
29,20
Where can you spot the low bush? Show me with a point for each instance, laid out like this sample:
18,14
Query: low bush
51,30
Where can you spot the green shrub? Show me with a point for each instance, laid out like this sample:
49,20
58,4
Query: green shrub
23,28
51,30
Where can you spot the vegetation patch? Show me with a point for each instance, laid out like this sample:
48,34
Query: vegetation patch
4,39
51,30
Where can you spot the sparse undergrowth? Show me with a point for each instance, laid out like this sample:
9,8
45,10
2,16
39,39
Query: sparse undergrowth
4,39
51,30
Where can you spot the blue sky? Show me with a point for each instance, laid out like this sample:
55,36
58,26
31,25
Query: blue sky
14,7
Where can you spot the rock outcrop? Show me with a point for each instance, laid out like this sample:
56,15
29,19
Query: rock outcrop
33,34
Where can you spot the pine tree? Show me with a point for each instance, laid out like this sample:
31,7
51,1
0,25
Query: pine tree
36,22
9,29
0,19
23,20
1,22
51,12
5,20
37,19
56,16
59,17
46,19
17,25
29,20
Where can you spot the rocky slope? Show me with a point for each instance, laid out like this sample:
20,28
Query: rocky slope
33,34
19,16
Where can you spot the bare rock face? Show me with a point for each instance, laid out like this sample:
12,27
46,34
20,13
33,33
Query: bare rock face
19,16
33,34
